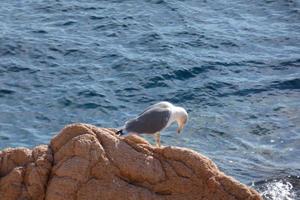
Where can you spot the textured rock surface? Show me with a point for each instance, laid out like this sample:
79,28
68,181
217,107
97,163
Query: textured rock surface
86,162
24,173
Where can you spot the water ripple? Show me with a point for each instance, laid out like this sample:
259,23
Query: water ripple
233,65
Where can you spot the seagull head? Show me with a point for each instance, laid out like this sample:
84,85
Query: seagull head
181,117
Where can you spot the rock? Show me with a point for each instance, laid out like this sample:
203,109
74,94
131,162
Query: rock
24,173
85,162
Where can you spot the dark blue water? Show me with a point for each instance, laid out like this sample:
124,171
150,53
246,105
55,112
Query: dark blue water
235,66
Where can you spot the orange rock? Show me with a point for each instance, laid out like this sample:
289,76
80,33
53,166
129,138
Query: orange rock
85,162
24,173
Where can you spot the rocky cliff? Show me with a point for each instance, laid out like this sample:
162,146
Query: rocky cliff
85,162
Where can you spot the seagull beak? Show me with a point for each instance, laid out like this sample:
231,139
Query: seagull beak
179,129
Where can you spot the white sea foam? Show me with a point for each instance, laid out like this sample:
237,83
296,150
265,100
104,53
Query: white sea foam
278,190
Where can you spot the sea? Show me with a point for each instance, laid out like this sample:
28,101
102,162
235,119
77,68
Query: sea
233,64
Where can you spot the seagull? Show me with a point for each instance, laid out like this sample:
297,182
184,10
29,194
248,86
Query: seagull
155,119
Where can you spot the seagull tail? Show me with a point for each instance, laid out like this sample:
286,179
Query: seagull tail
120,132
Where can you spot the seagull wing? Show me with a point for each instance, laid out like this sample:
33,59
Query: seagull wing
162,104
150,121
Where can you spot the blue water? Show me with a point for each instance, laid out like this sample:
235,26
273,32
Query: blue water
235,66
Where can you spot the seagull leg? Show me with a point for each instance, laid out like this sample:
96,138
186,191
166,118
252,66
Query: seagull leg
157,139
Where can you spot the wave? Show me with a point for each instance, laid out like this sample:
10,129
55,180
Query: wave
287,188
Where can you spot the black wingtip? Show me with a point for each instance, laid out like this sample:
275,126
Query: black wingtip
120,132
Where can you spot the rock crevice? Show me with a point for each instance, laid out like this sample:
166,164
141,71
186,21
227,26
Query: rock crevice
86,162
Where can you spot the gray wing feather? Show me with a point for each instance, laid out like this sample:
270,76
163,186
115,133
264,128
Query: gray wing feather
150,121
162,104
